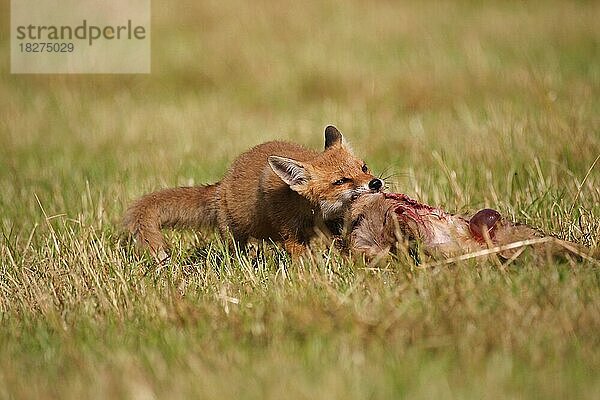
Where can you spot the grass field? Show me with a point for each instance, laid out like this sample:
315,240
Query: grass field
467,104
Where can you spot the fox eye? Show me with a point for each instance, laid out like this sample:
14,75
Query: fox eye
365,169
341,181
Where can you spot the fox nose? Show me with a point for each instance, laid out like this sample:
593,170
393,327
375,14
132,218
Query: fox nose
376,184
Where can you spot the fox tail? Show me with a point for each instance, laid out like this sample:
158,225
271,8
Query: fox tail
183,207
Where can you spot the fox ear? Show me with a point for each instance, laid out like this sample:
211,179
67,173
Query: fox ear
290,171
333,137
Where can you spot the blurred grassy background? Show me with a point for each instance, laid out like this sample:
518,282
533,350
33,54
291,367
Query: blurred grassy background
469,104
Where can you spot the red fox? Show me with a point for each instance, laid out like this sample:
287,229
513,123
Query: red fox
276,190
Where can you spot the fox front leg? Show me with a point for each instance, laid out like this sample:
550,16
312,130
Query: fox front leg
155,243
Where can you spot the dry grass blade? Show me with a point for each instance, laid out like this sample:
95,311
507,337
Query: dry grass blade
510,246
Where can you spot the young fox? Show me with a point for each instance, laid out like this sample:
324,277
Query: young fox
276,190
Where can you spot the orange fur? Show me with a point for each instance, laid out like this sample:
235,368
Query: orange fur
277,190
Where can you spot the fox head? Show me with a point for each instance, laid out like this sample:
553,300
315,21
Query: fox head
332,180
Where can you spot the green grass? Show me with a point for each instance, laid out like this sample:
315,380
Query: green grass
467,104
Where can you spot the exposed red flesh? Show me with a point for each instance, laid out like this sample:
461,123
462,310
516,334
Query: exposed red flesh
483,224
407,201
436,226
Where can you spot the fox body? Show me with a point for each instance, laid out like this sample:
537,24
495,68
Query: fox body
277,190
